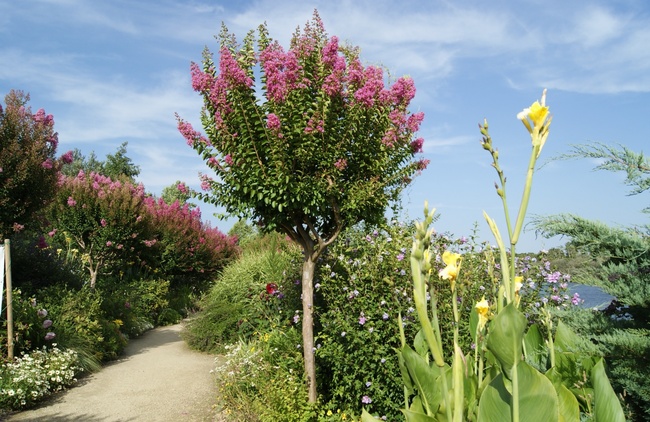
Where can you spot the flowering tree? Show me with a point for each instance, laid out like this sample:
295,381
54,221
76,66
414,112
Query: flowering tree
105,220
328,146
187,247
28,168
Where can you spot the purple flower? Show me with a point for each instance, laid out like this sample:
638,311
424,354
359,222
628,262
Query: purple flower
41,313
296,318
71,202
368,384
384,316
47,323
575,300
49,336
366,400
400,257
362,320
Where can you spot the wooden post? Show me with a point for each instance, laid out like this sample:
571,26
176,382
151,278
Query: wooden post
10,311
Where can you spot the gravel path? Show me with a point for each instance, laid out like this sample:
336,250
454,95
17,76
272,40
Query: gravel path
158,379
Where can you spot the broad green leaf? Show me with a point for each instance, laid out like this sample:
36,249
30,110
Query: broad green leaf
473,322
425,379
416,417
538,401
535,348
406,378
564,338
505,337
367,417
568,404
607,408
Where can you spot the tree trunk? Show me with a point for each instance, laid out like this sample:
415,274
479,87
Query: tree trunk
308,267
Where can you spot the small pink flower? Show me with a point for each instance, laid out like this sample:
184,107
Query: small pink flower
71,202
47,164
109,243
52,233
50,336
102,222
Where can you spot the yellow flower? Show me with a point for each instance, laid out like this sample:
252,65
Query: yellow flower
538,114
518,284
329,413
483,310
450,272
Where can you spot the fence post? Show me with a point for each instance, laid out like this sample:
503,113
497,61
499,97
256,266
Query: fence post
10,311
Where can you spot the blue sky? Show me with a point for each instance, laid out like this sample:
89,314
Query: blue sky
115,71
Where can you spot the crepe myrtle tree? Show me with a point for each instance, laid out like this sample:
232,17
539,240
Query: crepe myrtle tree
28,167
321,143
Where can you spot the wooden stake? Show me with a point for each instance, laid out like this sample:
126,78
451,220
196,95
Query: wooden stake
10,311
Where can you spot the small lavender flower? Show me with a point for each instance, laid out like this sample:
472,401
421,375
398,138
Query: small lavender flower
362,320
385,316
47,323
49,336
366,400
368,384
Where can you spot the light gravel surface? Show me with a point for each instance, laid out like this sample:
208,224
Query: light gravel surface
158,379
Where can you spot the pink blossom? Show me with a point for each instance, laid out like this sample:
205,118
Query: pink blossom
71,202
102,222
422,164
416,146
273,122
232,74
47,323
414,121
191,136
50,336
374,83
402,91
52,233
228,159
109,243
68,157
47,164
182,188
341,163
201,81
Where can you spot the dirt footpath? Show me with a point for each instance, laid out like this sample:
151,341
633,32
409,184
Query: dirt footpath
158,379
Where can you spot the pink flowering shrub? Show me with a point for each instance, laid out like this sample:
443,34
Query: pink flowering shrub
188,249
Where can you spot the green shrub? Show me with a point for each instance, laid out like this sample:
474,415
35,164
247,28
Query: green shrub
169,316
261,379
80,321
255,294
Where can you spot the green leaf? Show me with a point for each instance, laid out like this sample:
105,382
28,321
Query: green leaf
367,417
568,404
505,337
564,338
535,348
538,401
607,408
425,379
416,417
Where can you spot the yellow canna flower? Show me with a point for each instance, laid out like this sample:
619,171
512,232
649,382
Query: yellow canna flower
483,310
450,272
518,284
538,114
